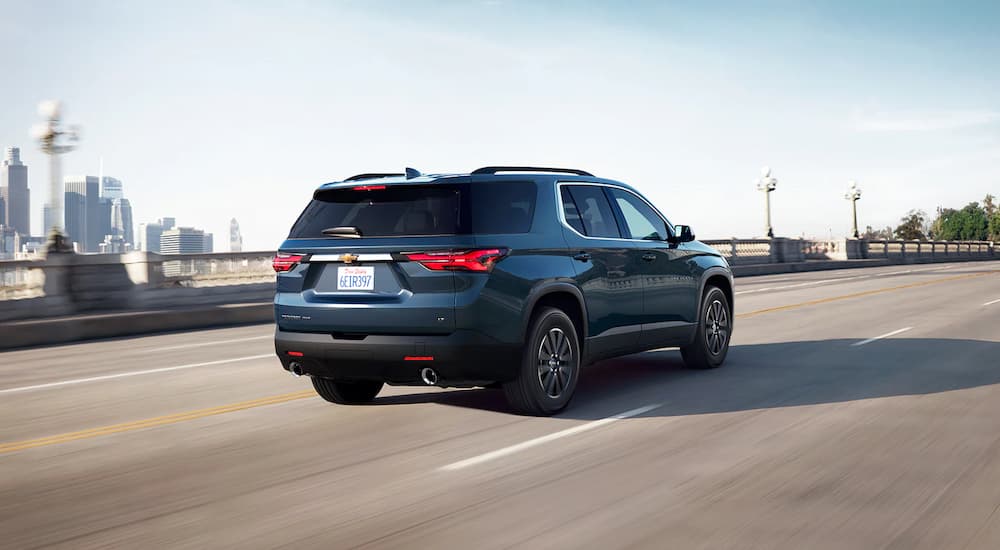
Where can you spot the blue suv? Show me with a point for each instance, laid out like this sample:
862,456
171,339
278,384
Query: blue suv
511,277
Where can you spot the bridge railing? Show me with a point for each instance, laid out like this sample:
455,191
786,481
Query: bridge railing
67,284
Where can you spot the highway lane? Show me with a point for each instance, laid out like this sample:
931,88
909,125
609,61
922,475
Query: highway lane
803,439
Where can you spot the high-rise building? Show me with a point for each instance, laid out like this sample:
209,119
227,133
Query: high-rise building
3,206
184,240
89,223
150,234
235,237
111,188
106,226
209,244
48,218
15,193
121,220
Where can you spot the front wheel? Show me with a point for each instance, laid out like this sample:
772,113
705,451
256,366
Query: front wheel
346,393
711,339
549,368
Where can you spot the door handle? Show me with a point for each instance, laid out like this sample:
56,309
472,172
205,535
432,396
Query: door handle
582,257
649,257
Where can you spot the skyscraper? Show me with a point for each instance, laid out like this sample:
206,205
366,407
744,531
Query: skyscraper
111,188
235,237
15,193
184,240
121,220
150,234
48,220
85,223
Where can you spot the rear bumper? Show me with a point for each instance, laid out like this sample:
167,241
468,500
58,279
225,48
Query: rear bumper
463,358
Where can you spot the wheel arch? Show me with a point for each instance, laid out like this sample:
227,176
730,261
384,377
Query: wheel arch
721,278
562,295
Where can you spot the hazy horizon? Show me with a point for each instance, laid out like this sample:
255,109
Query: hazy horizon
213,110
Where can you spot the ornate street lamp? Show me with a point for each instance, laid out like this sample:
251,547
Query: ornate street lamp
54,140
767,183
854,195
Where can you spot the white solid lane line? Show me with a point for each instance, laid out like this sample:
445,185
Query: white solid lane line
886,335
500,453
993,302
212,343
133,373
809,283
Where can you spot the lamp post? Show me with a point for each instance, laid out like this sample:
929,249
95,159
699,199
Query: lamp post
854,195
54,140
767,183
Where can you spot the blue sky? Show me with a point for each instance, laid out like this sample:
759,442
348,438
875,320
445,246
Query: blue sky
212,110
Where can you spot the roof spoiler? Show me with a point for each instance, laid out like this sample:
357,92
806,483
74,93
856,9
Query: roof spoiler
410,174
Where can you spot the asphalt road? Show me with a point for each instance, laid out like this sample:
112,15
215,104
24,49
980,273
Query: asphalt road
858,409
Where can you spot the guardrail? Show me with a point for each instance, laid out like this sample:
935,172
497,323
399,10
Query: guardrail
68,284
781,250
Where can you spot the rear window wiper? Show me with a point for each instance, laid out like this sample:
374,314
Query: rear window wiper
350,232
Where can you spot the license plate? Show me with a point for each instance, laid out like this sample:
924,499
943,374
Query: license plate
355,278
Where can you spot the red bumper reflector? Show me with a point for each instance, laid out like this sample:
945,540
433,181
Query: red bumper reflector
295,353
418,358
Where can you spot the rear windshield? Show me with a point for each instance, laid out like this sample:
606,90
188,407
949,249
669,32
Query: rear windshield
414,210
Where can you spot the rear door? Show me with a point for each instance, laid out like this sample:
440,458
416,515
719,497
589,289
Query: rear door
607,269
364,283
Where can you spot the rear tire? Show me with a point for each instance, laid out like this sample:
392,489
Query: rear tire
715,328
550,366
346,393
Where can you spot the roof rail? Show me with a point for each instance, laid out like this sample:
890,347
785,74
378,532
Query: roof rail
495,169
372,176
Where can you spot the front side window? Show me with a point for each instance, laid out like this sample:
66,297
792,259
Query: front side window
641,221
595,211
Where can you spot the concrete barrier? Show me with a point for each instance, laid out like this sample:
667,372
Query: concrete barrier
68,298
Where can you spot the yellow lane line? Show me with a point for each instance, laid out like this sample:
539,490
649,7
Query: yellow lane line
152,422
275,399
861,294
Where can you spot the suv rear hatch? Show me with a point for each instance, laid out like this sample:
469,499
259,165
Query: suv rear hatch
390,259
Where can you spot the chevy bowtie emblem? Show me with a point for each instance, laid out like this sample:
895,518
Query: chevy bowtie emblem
349,258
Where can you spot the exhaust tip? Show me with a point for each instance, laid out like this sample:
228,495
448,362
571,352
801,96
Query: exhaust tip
295,368
429,377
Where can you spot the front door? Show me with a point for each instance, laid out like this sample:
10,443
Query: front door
670,292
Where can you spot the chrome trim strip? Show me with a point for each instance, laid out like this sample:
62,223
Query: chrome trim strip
562,211
361,258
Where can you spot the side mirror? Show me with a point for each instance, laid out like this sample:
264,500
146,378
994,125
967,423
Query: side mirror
682,234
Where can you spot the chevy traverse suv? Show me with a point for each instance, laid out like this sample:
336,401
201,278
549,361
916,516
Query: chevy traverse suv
507,276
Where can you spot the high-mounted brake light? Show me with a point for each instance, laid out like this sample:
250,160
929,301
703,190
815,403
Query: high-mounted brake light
472,260
284,262
369,188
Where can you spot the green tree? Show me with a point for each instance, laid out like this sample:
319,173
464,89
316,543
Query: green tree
911,226
992,218
967,224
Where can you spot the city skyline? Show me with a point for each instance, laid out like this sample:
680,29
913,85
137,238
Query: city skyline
685,102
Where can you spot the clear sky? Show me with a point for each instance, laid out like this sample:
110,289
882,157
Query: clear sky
210,110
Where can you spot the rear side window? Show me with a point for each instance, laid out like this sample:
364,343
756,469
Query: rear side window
502,206
393,211
415,210
594,210
571,212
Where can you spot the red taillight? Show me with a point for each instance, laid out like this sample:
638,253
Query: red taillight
284,261
421,358
369,188
472,260
296,353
